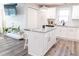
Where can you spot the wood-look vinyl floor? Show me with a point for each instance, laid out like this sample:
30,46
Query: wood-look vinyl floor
12,47
64,48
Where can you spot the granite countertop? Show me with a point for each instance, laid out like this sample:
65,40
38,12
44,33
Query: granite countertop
41,30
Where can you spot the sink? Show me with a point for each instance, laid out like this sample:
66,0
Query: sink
50,25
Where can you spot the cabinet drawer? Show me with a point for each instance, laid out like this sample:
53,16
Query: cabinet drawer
71,33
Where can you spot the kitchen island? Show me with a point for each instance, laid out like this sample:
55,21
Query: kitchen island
40,40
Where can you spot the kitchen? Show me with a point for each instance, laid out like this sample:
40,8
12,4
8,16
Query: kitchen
49,29
55,21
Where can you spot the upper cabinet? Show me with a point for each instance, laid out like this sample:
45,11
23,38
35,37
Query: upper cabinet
75,12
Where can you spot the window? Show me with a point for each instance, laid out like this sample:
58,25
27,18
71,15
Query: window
75,12
10,9
63,14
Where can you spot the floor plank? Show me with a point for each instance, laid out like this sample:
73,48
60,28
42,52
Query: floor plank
64,48
12,47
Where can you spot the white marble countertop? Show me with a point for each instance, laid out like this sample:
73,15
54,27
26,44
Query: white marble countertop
41,30
68,26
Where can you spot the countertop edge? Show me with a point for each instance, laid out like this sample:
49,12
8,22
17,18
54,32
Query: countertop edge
40,31
67,26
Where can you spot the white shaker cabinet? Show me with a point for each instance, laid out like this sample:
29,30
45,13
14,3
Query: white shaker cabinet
61,32
71,33
67,32
40,42
36,43
77,33
51,39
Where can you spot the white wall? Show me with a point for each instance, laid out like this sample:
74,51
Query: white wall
17,20
51,13
21,18
1,17
32,18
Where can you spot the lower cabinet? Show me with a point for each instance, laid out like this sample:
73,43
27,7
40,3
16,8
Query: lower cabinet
77,33
40,43
61,32
36,43
69,33
51,39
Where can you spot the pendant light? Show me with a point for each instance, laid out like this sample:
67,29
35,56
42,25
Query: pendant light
43,8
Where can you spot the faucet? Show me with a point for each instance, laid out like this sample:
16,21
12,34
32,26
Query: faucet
43,26
63,22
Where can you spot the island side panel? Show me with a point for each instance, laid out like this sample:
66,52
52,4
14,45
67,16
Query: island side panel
40,43
36,42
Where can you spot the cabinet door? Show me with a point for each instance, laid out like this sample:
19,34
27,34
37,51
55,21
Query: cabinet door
74,33
36,42
58,31
68,32
53,36
51,39
71,33
61,32
77,33
46,40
